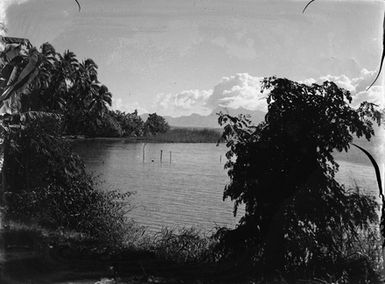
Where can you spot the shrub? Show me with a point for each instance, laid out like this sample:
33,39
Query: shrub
48,184
186,245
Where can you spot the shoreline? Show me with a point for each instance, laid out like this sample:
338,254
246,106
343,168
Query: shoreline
174,135
142,140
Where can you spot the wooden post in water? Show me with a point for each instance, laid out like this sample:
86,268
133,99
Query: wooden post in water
170,157
144,145
161,155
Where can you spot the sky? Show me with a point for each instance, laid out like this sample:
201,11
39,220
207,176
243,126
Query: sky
178,57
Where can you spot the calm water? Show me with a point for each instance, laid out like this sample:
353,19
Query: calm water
186,192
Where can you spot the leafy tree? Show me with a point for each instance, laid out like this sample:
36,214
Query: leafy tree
108,126
131,123
296,214
155,124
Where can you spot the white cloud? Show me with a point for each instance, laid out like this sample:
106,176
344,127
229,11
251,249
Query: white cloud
118,104
355,85
184,103
358,87
374,95
342,81
240,90
4,4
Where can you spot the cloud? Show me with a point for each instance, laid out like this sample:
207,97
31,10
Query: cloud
358,87
184,103
357,84
4,4
238,91
374,95
119,104
242,90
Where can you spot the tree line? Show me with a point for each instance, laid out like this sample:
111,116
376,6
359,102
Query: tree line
67,86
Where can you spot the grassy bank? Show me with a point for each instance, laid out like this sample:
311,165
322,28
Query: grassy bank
34,255
31,254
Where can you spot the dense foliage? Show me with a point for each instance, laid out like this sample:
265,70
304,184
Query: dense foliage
131,123
48,185
64,85
155,124
43,96
188,135
297,216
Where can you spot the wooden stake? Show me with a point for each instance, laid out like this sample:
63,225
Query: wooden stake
144,145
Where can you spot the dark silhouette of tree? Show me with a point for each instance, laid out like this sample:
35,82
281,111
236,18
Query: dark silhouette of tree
282,170
131,123
155,124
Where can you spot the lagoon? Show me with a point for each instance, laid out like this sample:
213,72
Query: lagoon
186,192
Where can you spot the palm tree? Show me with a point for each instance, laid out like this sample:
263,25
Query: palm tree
100,100
68,65
40,86
63,80
83,87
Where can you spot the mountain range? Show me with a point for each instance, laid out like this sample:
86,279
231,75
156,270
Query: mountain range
211,120
375,146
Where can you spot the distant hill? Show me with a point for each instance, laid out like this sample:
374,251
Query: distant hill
376,146
211,120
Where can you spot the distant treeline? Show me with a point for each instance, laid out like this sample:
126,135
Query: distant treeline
187,135
120,124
